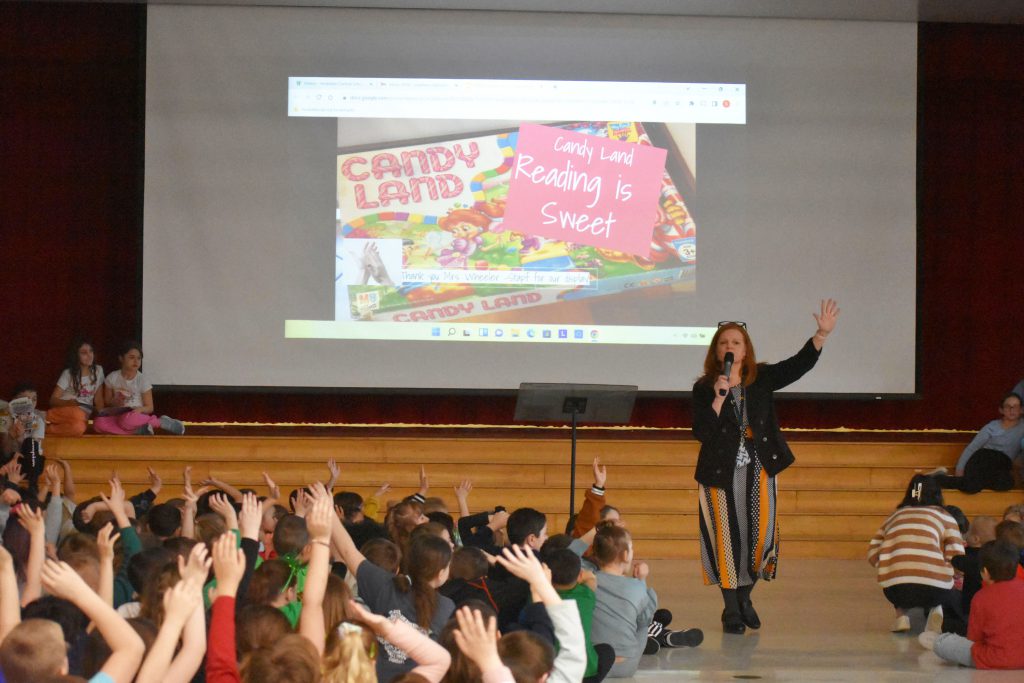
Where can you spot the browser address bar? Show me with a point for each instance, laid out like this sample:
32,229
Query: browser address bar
516,100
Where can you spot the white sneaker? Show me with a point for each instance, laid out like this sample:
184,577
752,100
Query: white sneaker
901,625
169,424
934,623
927,639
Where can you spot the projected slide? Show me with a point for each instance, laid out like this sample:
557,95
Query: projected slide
530,232
469,200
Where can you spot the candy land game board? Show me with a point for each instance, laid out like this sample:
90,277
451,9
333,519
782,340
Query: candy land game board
421,236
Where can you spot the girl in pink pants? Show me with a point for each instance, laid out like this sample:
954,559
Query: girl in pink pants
130,397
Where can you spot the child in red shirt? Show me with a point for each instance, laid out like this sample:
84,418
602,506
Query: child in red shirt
995,634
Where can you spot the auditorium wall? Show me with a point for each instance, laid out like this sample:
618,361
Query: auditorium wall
71,136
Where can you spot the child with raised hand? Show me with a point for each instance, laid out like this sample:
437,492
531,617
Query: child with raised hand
432,659
412,598
571,662
32,520
228,567
129,396
130,542
478,641
34,650
593,503
79,390
183,613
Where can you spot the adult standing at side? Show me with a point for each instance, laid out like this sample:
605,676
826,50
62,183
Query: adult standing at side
741,452
989,459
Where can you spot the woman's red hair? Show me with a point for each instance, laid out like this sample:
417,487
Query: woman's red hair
713,366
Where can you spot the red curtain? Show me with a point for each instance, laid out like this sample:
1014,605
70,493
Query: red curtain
71,119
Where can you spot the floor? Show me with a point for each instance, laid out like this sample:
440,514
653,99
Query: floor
823,620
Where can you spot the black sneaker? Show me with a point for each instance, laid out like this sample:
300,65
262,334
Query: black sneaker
655,629
652,646
662,616
691,637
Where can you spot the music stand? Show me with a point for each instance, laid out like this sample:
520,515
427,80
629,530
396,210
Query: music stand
549,402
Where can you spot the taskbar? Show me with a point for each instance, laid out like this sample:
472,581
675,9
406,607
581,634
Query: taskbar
647,335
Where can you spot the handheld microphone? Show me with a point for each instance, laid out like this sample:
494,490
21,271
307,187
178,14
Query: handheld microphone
727,361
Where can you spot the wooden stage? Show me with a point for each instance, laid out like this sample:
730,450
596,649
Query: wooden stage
831,501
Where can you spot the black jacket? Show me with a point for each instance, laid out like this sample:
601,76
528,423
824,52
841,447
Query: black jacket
719,435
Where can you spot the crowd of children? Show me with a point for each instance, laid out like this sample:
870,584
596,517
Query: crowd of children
223,584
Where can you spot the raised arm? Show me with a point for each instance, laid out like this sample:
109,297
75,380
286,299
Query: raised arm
571,661
105,541
54,508
69,480
228,567
10,609
335,471
826,320
126,646
318,523
462,496
34,523
478,640
219,504
227,488
181,602
593,501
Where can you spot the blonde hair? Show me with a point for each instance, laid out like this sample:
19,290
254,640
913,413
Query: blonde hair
981,531
346,655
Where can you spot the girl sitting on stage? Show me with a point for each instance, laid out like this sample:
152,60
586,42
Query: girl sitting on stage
130,397
79,390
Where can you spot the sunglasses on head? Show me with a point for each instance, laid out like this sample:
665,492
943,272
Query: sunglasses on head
732,322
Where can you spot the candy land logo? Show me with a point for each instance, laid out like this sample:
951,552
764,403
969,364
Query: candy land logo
420,175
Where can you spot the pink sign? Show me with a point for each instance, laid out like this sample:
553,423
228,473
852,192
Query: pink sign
581,188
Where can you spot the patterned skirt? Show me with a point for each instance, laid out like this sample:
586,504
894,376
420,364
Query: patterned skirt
739,534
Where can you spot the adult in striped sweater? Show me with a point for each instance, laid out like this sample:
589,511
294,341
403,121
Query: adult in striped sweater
913,551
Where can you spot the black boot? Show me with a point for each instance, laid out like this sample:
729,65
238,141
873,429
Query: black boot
732,620
747,613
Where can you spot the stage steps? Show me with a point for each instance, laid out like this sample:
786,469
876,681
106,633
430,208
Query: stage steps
830,502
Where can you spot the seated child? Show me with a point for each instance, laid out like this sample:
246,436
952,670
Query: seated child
1013,533
129,397
78,392
981,531
528,529
572,582
467,578
995,635
23,430
625,604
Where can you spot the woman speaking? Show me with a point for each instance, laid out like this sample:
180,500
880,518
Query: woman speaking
741,452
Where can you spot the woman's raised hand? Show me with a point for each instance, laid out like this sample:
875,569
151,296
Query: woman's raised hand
827,318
